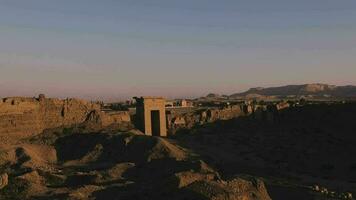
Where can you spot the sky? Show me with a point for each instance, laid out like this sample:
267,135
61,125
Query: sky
116,49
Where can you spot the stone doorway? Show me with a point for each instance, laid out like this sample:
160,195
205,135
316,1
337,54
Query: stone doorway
151,115
155,123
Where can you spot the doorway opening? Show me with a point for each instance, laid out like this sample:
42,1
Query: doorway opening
155,123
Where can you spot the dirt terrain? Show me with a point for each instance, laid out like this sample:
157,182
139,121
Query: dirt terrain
305,153
113,166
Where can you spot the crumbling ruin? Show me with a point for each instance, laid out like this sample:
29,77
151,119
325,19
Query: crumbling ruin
28,116
22,117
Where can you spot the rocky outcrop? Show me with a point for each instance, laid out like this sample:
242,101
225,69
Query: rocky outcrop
231,190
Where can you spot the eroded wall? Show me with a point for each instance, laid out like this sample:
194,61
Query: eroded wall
29,116
177,121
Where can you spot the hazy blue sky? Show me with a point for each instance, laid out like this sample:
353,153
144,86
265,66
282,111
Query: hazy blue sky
174,48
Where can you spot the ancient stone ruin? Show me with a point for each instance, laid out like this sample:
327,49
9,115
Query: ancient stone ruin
151,116
22,116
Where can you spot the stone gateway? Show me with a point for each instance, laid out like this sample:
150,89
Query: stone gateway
151,115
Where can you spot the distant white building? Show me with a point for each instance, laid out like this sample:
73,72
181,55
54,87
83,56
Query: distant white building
185,103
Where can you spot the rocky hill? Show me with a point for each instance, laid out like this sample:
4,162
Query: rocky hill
300,90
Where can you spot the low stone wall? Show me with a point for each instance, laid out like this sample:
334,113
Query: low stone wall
177,120
120,116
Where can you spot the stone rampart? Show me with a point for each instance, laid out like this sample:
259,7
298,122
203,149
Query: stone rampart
29,116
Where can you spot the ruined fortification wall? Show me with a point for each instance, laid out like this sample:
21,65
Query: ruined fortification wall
188,120
178,121
120,116
29,116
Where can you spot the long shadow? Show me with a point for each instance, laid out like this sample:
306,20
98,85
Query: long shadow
153,180
312,140
129,192
76,146
147,180
115,147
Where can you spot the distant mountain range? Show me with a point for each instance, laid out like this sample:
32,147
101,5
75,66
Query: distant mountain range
317,90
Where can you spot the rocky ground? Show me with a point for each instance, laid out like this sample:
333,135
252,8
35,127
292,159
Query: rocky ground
69,165
306,153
